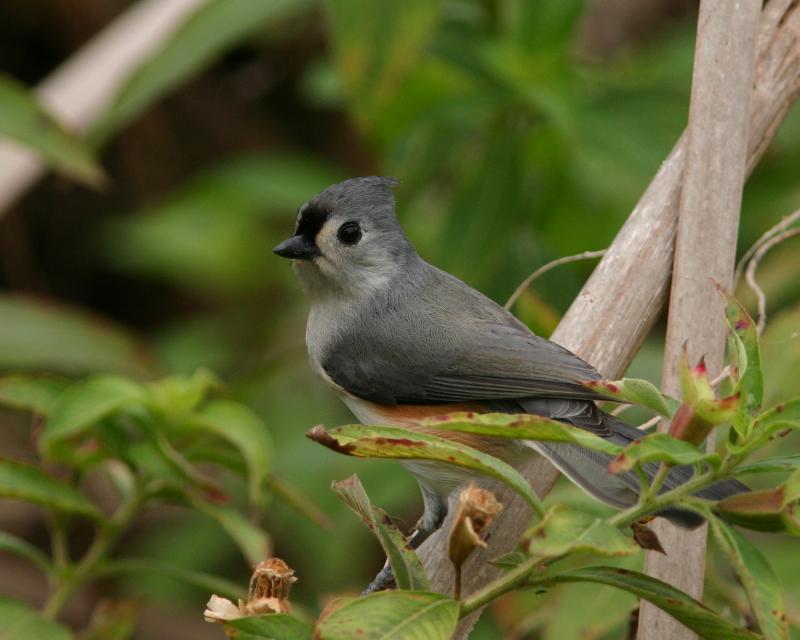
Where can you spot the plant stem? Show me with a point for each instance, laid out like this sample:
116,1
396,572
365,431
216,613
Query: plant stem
508,581
521,573
71,578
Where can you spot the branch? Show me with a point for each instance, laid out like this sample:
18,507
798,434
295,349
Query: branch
705,253
81,89
622,299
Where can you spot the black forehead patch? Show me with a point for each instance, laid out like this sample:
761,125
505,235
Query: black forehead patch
311,220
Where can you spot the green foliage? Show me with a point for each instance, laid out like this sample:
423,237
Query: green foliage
392,442
521,427
406,567
23,119
512,149
413,615
689,611
762,587
635,391
21,622
276,626
45,336
25,482
208,32
210,235
135,435
566,530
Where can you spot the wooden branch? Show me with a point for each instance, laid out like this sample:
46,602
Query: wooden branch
622,299
705,252
84,86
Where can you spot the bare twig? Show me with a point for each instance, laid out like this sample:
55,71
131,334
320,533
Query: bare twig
785,222
750,274
586,255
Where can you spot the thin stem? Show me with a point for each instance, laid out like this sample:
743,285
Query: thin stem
520,574
545,268
107,534
58,541
508,581
658,480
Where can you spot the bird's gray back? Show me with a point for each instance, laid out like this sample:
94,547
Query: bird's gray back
429,337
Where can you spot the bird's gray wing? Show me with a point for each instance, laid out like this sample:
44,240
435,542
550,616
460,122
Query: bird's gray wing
476,361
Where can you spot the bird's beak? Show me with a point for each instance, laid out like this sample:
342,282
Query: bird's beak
297,248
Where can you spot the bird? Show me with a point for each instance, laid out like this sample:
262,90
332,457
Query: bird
401,340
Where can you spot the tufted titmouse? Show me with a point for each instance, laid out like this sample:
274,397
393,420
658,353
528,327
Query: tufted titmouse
400,340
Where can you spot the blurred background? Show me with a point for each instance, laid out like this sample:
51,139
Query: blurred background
522,130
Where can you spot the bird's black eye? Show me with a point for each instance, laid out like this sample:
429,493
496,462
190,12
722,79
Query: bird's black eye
349,233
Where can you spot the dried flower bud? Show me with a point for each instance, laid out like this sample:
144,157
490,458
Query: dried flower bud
268,593
477,508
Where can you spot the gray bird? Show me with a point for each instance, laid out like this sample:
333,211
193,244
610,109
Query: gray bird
400,340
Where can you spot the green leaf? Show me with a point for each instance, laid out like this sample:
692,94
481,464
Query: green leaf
410,615
635,391
273,626
376,45
406,566
745,356
243,429
695,615
253,541
19,547
770,465
776,509
520,427
660,447
391,442
206,34
565,529
174,397
18,621
24,482
35,394
773,423
148,567
46,336
208,236
85,403
760,583
23,119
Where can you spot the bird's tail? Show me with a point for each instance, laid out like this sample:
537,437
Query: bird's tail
589,470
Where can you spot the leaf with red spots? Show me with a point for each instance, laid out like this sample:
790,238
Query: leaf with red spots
660,447
776,509
635,391
364,441
520,427
757,577
771,424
